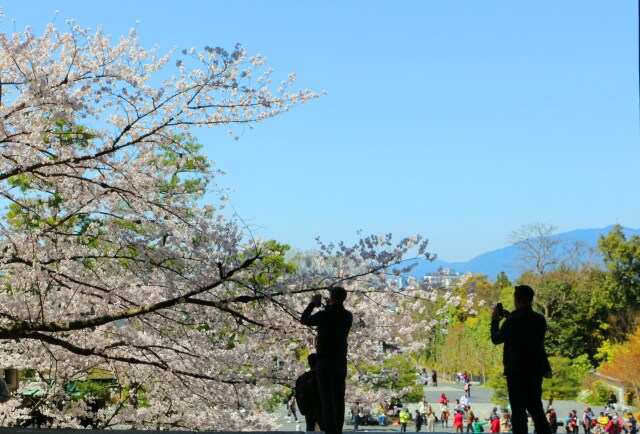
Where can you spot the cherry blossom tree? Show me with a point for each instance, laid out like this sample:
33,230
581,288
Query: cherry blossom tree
112,259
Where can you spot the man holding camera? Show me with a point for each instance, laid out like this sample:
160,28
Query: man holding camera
333,325
524,358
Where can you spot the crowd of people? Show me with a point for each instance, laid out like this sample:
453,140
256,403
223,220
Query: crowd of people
459,416
608,421
443,414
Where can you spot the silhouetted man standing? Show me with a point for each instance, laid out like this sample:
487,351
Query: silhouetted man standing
333,325
524,358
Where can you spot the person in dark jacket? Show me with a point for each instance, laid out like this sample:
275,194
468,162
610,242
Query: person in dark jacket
524,358
552,418
307,395
333,326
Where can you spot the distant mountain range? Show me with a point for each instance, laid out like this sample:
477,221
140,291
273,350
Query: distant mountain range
506,258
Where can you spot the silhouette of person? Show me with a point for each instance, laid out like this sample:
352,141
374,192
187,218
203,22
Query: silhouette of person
524,358
307,395
333,325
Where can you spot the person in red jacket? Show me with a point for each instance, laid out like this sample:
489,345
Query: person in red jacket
610,427
458,422
495,423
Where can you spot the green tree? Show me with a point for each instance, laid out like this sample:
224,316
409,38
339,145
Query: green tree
577,307
466,344
502,281
622,259
565,382
498,383
479,354
574,317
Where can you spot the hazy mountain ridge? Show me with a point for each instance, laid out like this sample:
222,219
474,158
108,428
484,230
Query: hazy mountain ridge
505,258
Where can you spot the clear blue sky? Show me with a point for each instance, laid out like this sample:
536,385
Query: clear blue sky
459,120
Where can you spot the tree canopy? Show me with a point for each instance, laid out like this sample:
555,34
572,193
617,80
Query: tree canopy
111,258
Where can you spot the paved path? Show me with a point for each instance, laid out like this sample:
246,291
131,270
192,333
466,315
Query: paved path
480,404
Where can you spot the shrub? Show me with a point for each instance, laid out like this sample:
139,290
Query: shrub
597,394
498,383
565,382
398,373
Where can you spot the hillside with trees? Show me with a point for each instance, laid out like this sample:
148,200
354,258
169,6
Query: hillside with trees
592,310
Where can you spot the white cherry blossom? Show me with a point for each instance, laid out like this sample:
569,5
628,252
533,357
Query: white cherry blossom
110,258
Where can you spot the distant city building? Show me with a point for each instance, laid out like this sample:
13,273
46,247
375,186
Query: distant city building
405,280
443,278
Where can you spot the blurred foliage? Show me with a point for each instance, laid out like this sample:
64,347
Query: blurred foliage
397,373
565,382
597,393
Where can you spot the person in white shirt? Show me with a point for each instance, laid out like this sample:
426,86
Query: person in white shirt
465,400
422,405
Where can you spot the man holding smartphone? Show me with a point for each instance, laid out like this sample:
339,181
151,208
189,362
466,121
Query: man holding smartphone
524,358
333,326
